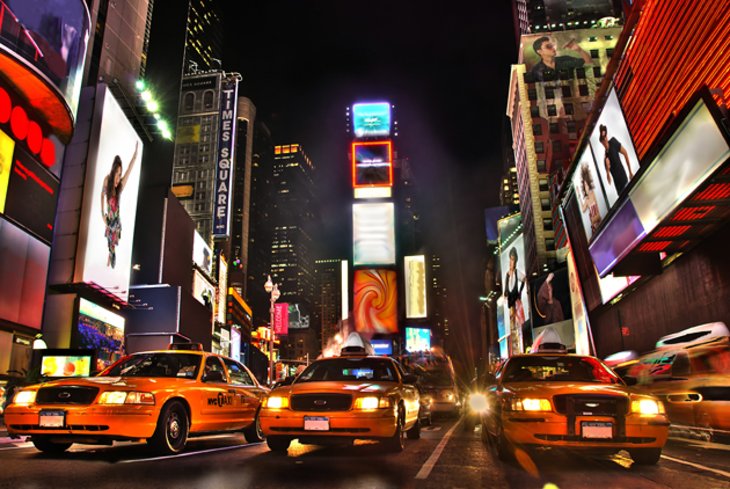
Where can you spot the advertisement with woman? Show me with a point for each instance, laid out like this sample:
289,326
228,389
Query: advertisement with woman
588,191
515,292
110,199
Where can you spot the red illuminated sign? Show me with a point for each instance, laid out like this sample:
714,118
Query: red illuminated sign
372,164
25,129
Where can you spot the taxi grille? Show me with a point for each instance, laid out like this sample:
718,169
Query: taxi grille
591,405
321,402
66,395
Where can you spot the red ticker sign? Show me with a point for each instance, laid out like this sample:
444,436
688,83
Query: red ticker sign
25,129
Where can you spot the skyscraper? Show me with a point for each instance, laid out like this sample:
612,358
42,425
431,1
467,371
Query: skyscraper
204,45
328,297
439,302
533,16
508,190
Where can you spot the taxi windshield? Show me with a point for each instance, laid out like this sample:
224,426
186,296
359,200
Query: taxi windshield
352,369
182,365
558,369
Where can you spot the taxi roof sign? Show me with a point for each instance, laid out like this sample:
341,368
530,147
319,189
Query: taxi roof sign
186,346
356,345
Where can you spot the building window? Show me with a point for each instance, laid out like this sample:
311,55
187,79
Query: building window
580,72
537,129
208,97
592,39
567,92
539,147
541,165
608,37
554,128
189,102
550,244
532,94
552,110
557,146
545,204
535,111
568,109
549,92
547,224
597,72
594,53
583,90
572,128
609,52
543,185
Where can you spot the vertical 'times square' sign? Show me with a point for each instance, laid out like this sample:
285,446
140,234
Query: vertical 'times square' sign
224,165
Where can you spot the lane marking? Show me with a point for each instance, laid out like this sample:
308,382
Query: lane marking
16,447
189,454
698,466
431,462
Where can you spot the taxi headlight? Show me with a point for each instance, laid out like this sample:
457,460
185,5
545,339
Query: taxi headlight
277,402
24,397
478,403
647,406
126,397
372,402
531,405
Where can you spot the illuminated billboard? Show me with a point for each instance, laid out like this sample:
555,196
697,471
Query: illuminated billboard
281,318
547,54
581,326
67,363
202,253
418,339
550,298
104,254
371,119
298,318
515,291
7,145
222,290
203,290
613,150
372,164
382,347
373,227
100,330
589,192
375,301
415,284
224,163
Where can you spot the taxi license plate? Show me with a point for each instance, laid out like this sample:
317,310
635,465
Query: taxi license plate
593,429
52,419
316,423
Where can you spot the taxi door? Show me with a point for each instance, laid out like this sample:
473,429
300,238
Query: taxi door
218,397
248,394
410,396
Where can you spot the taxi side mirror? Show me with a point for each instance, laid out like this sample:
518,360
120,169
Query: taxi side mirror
410,379
214,376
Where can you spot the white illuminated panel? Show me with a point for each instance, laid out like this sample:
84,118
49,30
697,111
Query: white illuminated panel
373,227
373,192
344,278
222,290
202,254
99,313
693,153
415,277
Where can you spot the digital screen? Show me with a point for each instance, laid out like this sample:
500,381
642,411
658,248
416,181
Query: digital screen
373,192
507,227
581,326
415,282
222,289
550,298
202,254
203,290
418,339
66,365
372,164
371,119
373,227
100,330
502,330
375,301
382,347
110,199
7,145
589,193
298,319
515,290
567,51
613,150
32,195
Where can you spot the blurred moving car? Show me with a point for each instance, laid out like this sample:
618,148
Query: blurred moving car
340,399
693,380
555,399
160,396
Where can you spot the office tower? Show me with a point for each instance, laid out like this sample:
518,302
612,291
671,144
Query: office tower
508,191
439,302
329,309
204,46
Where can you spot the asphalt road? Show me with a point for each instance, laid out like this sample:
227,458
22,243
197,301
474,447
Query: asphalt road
445,457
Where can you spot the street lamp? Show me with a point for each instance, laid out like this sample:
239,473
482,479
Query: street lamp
273,289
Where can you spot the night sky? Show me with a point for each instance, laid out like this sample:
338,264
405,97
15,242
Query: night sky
446,68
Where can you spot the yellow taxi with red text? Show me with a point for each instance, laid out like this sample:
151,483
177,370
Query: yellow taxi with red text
159,396
340,399
555,399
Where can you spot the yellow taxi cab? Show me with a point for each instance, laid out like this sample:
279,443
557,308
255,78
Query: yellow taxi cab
340,399
160,396
555,399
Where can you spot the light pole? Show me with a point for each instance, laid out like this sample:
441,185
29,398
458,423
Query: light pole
273,289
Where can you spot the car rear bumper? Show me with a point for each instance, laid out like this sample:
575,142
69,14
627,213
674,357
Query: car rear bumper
347,424
93,421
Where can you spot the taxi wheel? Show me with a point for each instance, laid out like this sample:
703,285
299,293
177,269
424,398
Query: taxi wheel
278,444
397,442
171,434
501,446
415,432
646,456
47,446
254,433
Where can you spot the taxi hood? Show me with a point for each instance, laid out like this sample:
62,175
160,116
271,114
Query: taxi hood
142,383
